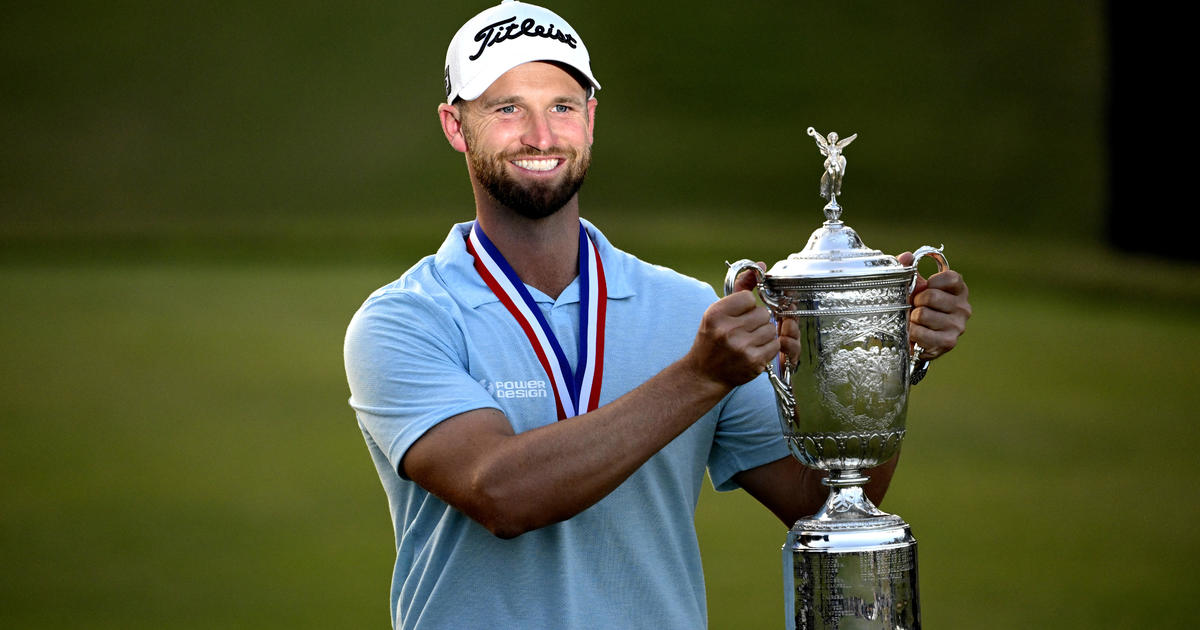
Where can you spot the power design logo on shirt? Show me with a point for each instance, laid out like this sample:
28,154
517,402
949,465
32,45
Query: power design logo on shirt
516,389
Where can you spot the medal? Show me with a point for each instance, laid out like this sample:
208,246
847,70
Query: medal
575,391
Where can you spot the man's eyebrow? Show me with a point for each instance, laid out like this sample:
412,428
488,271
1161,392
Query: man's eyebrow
496,100
573,100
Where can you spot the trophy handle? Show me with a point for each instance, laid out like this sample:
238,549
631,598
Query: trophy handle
783,390
918,367
933,252
736,269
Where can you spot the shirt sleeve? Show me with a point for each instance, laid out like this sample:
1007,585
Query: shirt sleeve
748,433
407,367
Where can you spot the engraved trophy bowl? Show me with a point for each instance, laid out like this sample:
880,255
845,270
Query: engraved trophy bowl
841,385
843,376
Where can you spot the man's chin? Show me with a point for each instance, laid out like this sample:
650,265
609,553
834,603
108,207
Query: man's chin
534,209
535,202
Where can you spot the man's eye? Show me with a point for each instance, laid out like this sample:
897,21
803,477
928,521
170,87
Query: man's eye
561,109
508,109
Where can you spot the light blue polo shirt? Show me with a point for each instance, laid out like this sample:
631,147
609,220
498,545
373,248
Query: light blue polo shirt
437,343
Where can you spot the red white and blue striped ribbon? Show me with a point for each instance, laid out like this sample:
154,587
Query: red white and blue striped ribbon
575,391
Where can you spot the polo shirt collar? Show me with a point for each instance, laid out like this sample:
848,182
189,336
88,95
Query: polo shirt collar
457,268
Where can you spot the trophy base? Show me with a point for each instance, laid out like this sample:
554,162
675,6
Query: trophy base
851,575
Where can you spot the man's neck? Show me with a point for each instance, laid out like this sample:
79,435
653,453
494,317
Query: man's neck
543,252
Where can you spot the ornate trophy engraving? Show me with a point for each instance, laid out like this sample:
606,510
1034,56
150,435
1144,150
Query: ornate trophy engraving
841,383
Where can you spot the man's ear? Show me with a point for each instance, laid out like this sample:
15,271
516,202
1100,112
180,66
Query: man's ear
591,127
451,119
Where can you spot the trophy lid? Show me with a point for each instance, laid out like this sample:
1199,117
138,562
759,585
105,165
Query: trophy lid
834,250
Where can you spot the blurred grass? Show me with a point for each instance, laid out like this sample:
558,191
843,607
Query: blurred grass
145,117
179,453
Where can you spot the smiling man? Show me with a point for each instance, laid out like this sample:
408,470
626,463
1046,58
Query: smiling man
541,406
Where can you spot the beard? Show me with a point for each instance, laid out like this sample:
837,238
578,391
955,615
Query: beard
531,199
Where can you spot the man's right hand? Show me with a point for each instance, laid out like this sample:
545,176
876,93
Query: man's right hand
735,341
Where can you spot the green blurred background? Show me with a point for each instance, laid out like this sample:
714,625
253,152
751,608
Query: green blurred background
194,199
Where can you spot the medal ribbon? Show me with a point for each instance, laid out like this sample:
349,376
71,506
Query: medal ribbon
575,391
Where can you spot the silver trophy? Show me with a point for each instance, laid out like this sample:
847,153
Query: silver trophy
841,383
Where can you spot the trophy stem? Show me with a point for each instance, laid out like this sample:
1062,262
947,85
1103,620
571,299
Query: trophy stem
845,478
847,499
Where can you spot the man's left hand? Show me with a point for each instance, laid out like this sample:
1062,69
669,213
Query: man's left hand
940,311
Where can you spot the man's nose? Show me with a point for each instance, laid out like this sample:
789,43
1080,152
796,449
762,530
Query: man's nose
538,133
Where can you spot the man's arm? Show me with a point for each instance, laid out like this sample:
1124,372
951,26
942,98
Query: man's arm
512,483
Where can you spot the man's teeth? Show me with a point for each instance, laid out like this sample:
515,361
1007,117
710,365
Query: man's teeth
537,165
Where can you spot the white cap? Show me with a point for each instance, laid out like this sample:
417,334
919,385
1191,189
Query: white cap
504,37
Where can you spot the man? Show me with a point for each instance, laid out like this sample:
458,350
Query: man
541,406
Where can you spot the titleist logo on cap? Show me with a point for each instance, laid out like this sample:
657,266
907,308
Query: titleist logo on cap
498,32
